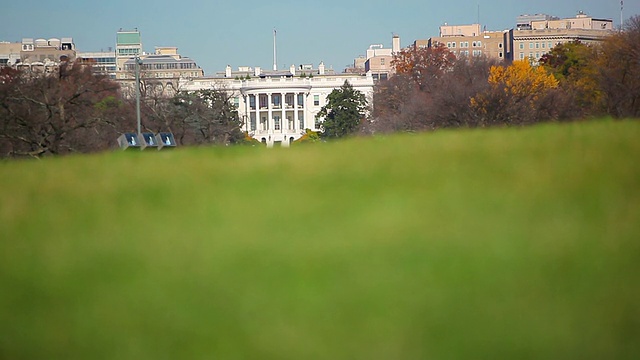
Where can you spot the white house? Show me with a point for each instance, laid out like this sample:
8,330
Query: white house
277,106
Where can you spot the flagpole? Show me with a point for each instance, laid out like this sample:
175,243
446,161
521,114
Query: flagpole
275,58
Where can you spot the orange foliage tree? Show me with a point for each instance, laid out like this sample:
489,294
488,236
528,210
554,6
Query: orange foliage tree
423,65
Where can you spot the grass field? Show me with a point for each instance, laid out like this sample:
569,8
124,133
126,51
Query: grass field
475,244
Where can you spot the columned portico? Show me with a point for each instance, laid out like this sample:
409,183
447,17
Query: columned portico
279,107
280,114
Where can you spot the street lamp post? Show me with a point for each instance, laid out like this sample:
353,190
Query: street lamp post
137,70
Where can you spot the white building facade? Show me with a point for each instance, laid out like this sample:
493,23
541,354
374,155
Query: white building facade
278,106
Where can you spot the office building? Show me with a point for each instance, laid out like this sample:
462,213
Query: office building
536,36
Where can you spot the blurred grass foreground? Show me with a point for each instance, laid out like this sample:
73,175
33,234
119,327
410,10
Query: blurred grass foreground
475,244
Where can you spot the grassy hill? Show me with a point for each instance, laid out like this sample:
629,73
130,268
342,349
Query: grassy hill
476,244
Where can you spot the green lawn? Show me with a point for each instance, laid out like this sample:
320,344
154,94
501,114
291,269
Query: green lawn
474,244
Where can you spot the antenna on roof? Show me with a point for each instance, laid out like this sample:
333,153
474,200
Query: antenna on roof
275,58
621,7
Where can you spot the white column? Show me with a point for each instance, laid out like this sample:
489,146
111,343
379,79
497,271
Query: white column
283,114
247,114
269,113
296,123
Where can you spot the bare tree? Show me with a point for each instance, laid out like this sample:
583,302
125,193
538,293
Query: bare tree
72,110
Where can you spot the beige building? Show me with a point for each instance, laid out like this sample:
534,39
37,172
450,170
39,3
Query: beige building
377,60
165,63
9,53
539,36
37,55
459,30
469,40
160,72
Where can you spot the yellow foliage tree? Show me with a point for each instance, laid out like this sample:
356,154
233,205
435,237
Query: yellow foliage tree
520,79
516,95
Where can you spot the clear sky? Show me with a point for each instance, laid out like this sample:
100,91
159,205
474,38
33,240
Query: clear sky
240,33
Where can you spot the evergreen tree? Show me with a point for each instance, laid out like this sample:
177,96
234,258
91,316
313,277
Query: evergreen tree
343,113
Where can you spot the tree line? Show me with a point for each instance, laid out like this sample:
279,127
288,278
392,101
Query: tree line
433,89
76,110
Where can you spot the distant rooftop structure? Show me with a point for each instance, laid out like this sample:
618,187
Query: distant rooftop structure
580,21
523,22
460,30
302,70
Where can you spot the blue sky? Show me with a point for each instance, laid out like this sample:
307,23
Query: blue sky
240,33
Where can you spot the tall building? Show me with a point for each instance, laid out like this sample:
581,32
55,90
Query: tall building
128,46
277,106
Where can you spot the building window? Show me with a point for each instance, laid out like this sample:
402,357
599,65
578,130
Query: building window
275,99
290,122
530,45
542,45
550,45
521,56
263,123
453,44
500,55
382,61
252,102
301,119
500,46
521,46
288,99
537,45
300,100
236,102
263,101
253,122
276,122
316,100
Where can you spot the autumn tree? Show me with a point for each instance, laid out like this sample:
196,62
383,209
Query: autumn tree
400,105
618,71
343,113
518,94
574,66
70,110
423,65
